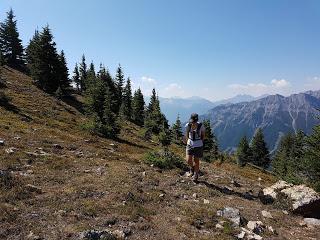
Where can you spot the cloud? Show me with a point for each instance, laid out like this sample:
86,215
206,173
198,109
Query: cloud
280,86
312,84
174,89
148,80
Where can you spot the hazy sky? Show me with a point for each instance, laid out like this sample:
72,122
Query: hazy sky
213,49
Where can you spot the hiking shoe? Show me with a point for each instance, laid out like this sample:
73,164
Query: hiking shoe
195,177
191,172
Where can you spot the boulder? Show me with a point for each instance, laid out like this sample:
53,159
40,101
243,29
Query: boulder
97,235
312,221
232,214
299,199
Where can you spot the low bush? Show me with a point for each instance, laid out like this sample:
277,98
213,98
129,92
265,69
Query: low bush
165,160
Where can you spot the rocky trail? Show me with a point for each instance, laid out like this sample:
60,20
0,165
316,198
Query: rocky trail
60,182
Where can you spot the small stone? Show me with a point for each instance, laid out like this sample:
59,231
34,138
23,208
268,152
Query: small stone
87,171
143,174
241,235
178,219
194,195
33,188
270,229
57,146
161,195
1,142
119,234
285,212
10,150
256,226
235,183
266,214
17,138
219,226
205,201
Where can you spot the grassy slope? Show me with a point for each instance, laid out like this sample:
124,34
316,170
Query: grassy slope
89,183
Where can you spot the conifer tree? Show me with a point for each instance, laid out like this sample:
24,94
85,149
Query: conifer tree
63,71
111,123
43,61
119,81
260,152
106,78
83,73
312,158
138,106
76,77
10,43
33,52
210,143
244,153
177,130
1,59
127,100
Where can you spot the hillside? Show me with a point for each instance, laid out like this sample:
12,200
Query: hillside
275,114
57,180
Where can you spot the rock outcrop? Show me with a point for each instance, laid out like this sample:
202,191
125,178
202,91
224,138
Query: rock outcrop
299,199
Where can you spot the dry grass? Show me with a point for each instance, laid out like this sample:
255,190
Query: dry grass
89,184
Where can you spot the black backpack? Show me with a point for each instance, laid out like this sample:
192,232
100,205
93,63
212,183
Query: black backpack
193,133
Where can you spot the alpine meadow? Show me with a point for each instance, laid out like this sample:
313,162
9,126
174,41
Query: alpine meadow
159,119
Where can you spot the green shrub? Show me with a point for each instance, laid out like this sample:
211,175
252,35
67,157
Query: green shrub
164,160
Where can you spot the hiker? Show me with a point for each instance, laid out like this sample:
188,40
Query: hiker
193,137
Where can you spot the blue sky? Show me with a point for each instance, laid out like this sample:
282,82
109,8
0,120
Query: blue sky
207,48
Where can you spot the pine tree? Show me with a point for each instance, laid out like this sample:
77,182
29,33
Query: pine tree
127,100
90,79
76,77
244,153
111,124
260,152
33,52
155,120
64,81
10,43
119,81
312,158
83,74
138,106
210,143
43,61
106,78
177,130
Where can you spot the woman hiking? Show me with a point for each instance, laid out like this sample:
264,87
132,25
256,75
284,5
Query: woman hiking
193,137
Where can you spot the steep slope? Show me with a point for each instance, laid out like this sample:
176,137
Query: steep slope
275,114
57,180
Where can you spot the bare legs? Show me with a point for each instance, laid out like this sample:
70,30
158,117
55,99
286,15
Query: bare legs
194,164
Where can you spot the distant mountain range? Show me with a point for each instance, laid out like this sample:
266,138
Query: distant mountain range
275,114
171,107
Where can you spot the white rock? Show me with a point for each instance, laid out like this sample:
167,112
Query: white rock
270,229
205,201
143,174
10,150
232,214
256,226
285,212
1,142
161,195
312,221
241,235
219,226
194,195
266,214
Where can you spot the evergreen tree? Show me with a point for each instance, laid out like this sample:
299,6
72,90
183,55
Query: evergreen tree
312,158
260,152
119,82
155,121
106,78
111,123
43,61
138,105
10,43
64,83
76,77
83,73
177,130
244,153
210,142
127,100
33,52
90,79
